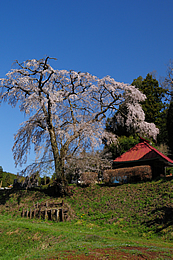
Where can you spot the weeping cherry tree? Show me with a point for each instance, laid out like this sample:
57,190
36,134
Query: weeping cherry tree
66,112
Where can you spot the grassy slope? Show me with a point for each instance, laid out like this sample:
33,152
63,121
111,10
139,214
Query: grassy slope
127,213
146,206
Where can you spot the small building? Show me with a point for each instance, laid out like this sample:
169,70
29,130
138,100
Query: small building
144,154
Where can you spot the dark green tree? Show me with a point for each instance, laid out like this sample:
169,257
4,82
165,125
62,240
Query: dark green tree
170,126
168,84
124,143
1,173
154,106
155,112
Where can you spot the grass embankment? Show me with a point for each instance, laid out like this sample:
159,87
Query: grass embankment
132,220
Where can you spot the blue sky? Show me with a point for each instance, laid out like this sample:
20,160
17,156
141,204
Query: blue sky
123,39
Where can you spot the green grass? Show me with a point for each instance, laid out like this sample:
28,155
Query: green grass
128,218
146,206
28,239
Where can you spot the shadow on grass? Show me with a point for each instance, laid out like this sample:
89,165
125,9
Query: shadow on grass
6,194
163,218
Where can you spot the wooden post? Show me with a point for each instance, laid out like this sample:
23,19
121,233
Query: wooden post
27,212
45,213
37,205
50,214
34,212
39,213
57,214
46,204
62,215
30,213
23,212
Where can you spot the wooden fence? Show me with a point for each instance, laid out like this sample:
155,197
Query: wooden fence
48,211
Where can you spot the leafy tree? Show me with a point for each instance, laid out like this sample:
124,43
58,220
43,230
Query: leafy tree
154,107
7,178
1,172
170,126
168,84
124,143
155,112
96,161
1,175
66,112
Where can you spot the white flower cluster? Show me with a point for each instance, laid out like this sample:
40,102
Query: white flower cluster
69,106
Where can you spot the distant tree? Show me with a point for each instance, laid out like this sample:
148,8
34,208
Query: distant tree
155,112
168,83
1,173
154,106
66,112
124,143
8,178
96,161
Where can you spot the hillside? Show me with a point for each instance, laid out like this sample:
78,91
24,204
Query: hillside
143,209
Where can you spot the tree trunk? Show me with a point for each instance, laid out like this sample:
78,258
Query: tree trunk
59,164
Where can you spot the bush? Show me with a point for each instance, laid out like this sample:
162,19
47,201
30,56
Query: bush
88,178
129,174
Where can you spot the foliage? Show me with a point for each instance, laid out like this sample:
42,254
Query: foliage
170,126
1,172
6,178
167,82
96,161
88,178
124,143
154,107
66,112
128,174
155,112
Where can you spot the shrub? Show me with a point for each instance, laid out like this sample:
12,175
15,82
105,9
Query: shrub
129,174
88,178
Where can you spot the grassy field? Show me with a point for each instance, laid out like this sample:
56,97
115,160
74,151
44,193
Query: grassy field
131,221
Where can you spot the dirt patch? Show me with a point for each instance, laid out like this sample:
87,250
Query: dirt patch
130,253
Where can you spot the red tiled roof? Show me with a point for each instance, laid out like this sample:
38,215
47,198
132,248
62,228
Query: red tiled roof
142,151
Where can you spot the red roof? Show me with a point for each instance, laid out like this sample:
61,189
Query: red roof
142,151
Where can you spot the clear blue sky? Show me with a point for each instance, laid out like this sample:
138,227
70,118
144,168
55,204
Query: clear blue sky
123,39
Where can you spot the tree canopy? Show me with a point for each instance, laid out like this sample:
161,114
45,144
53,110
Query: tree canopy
155,112
168,83
66,111
154,106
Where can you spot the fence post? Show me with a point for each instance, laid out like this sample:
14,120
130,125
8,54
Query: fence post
45,214
23,212
27,212
39,213
57,214
34,212
62,215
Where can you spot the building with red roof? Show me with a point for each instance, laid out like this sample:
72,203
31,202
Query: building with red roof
144,154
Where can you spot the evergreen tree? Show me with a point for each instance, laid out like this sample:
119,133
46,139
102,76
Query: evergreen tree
154,107
170,126
1,173
155,112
